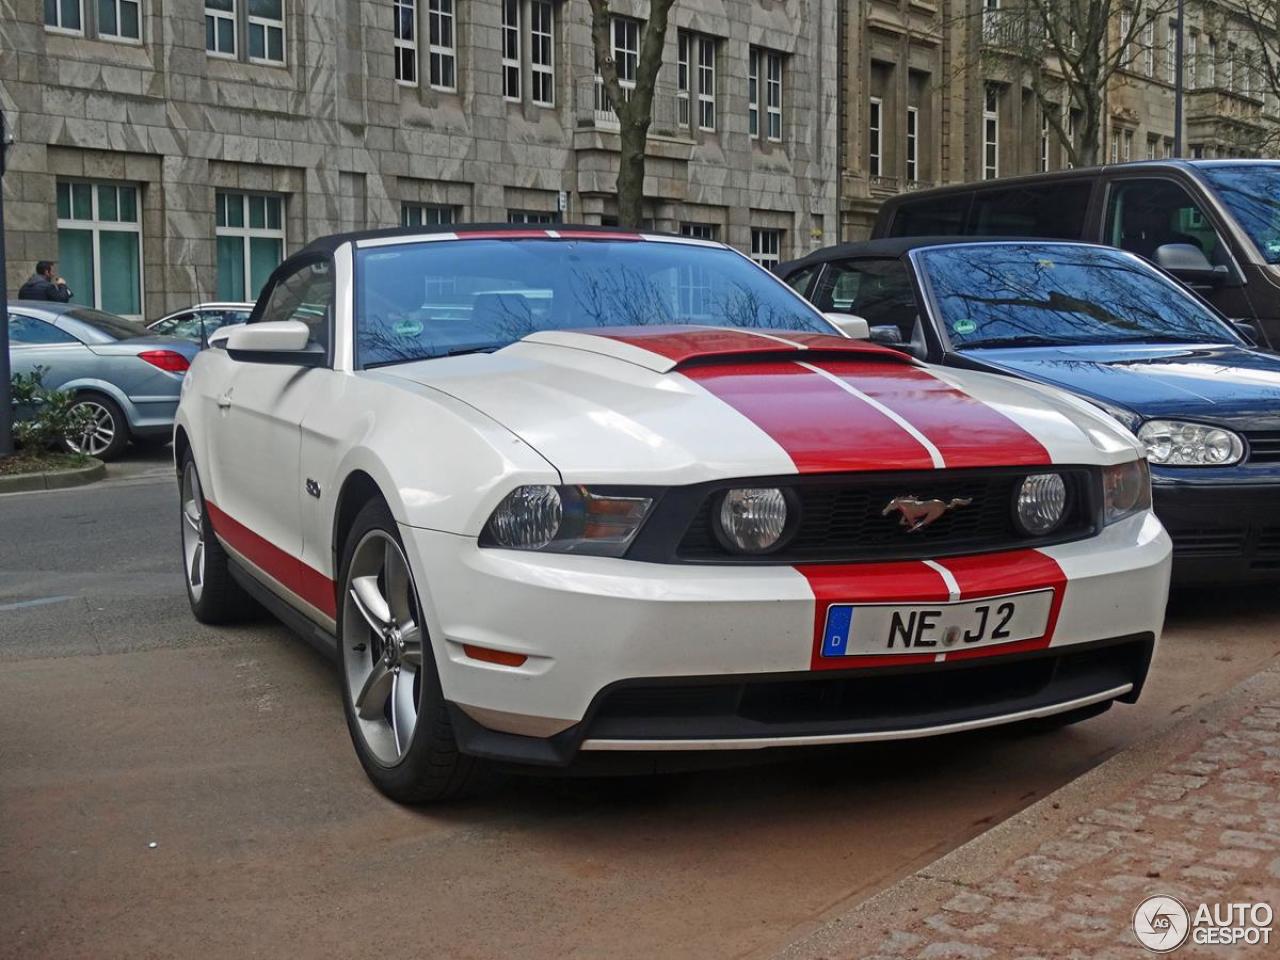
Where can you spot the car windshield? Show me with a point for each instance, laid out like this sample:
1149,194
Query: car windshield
99,327
1251,191
1015,294
419,300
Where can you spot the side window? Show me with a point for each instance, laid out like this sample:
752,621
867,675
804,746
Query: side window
183,325
936,217
1144,215
879,291
306,295
29,331
1053,210
800,281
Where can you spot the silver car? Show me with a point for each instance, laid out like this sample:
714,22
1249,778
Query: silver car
199,322
127,377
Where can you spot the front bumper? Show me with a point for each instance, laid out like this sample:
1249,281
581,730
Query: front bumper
627,656
1222,533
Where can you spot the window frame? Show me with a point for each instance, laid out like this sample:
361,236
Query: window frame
440,12
699,230
773,60
59,28
96,226
538,69
912,165
875,136
234,16
267,24
71,340
766,258
119,37
684,111
753,92
431,214
246,233
512,67
410,44
706,77
991,132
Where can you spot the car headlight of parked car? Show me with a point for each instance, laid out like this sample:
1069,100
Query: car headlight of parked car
570,519
1176,443
1126,490
752,519
1041,504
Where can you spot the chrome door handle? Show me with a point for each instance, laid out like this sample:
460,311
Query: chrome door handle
224,401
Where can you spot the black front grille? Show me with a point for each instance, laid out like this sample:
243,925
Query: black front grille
1264,446
1210,542
842,519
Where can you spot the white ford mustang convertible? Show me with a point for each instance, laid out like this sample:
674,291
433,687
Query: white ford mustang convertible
556,496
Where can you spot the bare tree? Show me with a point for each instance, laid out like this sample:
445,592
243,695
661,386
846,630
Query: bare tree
634,105
1069,54
1261,22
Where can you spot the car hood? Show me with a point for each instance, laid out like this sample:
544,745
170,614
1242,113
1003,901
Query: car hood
686,406
1215,382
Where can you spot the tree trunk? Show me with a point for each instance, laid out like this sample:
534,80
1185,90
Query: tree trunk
632,137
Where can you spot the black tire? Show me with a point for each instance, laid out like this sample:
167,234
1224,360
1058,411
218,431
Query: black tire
219,598
120,427
432,769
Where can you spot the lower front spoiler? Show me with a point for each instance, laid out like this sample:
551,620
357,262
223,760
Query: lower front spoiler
763,711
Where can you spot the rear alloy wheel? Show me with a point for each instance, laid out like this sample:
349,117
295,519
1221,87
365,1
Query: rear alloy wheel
395,708
107,432
214,595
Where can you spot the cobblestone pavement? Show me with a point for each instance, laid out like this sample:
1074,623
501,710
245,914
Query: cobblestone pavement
1193,813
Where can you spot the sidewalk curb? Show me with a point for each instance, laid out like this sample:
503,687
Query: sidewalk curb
984,857
54,479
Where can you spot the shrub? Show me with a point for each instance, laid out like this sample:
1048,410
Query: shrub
42,416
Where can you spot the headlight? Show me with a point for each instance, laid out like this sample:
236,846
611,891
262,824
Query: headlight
1126,490
600,522
1175,443
752,519
1042,503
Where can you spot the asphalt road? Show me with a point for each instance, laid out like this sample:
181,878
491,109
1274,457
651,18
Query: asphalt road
168,790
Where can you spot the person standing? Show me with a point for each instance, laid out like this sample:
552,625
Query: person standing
44,286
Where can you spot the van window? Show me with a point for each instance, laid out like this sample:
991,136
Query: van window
1144,215
1053,210
936,217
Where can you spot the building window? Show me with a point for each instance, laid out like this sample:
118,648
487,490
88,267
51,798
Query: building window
100,244
1229,77
427,215
706,83
913,144
773,94
120,20
1071,134
770,63
406,41
542,52
1044,141
698,231
250,239
220,27
265,32
1191,60
766,246
511,49
753,92
875,128
1149,48
1126,34
1115,145
683,42
626,58
444,58
1168,148
1211,63
1153,147
532,216
991,133
1171,53
1126,153
64,15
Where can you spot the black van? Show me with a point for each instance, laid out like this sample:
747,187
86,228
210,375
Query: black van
1213,224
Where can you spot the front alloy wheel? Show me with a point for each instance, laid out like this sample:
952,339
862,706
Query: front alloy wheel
382,647
105,433
193,531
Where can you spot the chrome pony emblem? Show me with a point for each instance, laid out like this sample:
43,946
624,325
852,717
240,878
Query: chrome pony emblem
918,514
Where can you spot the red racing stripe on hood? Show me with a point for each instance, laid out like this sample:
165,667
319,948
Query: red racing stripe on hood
683,343
907,581
966,431
822,427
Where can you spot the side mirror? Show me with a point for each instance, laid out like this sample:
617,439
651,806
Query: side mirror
219,338
1248,330
855,328
274,341
1188,263
887,333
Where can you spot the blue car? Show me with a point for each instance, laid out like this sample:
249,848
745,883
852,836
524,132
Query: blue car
125,376
1116,331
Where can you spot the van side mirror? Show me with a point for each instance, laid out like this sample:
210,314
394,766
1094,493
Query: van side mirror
1187,262
275,341
1248,330
853,327
888,334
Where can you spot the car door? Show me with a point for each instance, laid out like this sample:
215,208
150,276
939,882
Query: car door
1144,213
38,344
256,432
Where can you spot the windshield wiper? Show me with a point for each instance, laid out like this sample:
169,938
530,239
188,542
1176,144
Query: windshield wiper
1028,340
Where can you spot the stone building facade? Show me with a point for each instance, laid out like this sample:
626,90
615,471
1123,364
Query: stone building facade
172,151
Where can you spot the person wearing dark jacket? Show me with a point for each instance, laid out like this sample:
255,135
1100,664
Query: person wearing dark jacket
43,286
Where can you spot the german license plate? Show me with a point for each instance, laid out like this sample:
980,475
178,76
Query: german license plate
875,629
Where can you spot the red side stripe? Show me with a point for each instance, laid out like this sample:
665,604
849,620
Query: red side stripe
1013,572
908,581
823,428
594,235
685,343
300,579
966,431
